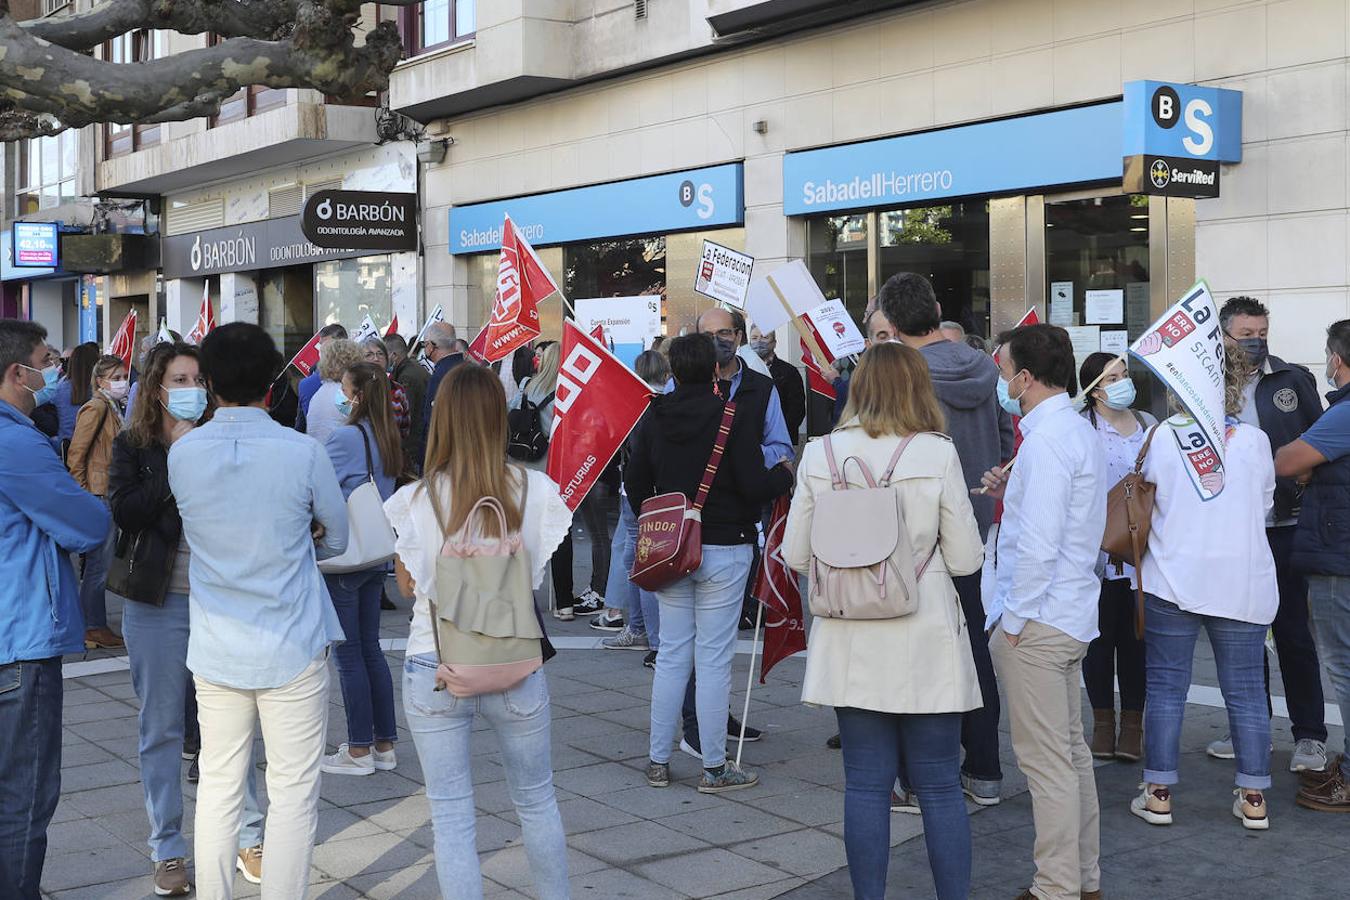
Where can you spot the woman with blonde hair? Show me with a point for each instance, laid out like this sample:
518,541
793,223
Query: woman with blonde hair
1233,596
324,415
367,447
88,458
898,686
466,462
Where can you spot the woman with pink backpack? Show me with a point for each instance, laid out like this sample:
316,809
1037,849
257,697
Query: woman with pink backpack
888,648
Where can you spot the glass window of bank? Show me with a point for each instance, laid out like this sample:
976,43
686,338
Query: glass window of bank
661,265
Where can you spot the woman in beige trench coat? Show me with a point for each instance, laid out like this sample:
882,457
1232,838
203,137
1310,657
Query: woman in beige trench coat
898,686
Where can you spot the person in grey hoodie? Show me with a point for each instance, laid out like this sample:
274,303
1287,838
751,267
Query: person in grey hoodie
965,381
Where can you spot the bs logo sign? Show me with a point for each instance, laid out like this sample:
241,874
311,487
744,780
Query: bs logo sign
1198,112
703,193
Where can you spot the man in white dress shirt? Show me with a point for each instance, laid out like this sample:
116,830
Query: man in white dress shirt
1044,609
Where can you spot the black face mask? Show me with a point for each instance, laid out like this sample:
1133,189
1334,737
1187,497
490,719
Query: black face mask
726,351
1256,349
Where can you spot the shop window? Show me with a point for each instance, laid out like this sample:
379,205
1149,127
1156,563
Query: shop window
348,290
437,23
837,258
947,244
46,172
132,47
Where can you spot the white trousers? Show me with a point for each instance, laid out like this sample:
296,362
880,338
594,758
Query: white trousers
294,721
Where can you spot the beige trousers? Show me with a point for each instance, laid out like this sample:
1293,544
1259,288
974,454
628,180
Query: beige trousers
294,721
1041,678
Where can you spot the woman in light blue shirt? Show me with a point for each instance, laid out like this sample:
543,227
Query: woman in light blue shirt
366,448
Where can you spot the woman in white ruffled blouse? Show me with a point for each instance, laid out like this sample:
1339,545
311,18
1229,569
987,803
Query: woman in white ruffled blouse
465,463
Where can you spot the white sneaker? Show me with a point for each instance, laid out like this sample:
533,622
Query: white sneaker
343,763
1309,756
385,760
1222,748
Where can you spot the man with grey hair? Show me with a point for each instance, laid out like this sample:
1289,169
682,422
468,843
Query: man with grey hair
45,517
445,351
953,331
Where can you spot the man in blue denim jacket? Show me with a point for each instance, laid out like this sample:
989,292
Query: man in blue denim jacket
44,516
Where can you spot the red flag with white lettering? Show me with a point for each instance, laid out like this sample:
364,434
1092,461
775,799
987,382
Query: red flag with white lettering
478,347
123,342
522,282
308,356
206,319
597,404
814,379
392,329
777,588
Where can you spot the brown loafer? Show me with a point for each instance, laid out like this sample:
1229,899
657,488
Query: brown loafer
102,638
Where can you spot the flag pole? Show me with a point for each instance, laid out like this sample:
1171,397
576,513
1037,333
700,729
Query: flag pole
749,682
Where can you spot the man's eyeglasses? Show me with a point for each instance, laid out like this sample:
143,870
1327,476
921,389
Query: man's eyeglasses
726,334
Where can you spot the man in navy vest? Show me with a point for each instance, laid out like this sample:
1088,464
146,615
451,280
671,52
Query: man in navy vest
1322,551
1281,399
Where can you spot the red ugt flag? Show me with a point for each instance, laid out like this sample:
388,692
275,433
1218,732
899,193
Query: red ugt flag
814,379
522,282
124,341
308,356
206,320
597,404
776,587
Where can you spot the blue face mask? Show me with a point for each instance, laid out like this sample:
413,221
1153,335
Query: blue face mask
50,376
343,404
1120,394
186,404
1011,406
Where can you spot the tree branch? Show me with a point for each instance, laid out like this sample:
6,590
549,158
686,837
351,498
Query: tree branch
265,19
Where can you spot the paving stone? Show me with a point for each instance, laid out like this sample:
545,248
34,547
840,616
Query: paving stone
510,867
600,778
582,814
618,884
627,844
366,855
91,866
762,892
394,814
814,806
413,883
705,873
729,823
99,775
807,852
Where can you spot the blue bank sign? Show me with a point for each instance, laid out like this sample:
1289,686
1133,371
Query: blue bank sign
1065,147
679,201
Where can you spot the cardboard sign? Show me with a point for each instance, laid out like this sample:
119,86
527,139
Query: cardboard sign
1184,349
629,323
835,330
777,298
724,274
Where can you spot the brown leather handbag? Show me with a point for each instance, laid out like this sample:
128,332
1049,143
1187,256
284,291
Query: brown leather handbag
1129,516
670,528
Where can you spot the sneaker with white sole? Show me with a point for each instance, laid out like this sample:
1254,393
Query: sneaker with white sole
980,791
249,864
590,601
608,621
343,763
171,878
905,802
1154,804
1222,748
731,778
564,614
385,760
1250,807
1309,756
627,640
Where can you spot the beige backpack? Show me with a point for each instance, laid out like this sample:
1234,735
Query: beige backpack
862,560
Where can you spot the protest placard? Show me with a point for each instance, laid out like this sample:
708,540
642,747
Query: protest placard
777,298
1184,349
834,330
630,323
723,274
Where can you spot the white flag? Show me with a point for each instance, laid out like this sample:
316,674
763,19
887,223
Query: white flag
1185,350
163,337
367,329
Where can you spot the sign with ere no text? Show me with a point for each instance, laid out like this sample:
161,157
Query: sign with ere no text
724,274
367,219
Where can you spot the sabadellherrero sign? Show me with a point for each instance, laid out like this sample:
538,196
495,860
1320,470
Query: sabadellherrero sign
268,244
387,221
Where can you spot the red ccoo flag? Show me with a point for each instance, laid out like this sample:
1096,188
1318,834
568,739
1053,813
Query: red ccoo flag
814,379
597,405
123,343
777,588
308,357
206,320
392,329
522,282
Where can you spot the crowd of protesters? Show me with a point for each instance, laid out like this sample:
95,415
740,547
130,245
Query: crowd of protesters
208,495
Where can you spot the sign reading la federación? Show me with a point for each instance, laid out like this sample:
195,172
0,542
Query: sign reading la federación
724,274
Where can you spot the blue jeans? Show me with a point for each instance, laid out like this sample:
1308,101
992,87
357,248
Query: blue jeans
699,615
157,643
639,607
1329,598
877,748
1239,648
94,581
31,694
441,725
363,672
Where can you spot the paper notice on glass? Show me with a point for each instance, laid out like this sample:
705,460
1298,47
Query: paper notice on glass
1137,316
1061,303
1116,342
1104,308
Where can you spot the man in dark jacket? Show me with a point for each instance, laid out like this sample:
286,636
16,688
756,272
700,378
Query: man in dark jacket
414,377
1322,548
44,516
1281,399
786,377
965,381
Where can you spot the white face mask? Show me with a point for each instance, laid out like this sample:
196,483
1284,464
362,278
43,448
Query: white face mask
118,389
